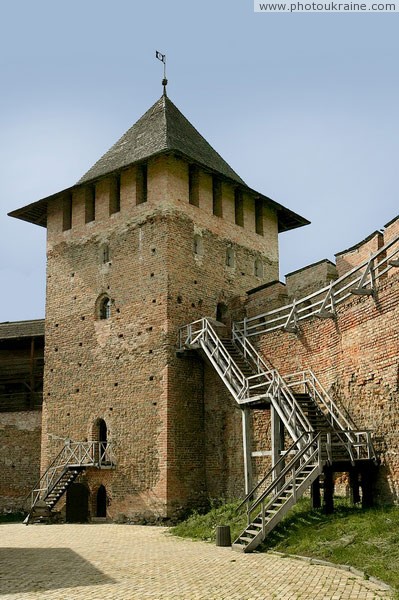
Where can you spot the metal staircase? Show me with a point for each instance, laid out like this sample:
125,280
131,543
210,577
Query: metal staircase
322,433
73,459
289,482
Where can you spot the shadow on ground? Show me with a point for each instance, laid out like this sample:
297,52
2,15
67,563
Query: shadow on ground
40,569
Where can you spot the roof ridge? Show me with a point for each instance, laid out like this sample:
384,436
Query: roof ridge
162,128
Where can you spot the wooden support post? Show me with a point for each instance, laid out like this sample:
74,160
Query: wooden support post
367,481
32,373
246,440
315,494
354,485
277,431
328,504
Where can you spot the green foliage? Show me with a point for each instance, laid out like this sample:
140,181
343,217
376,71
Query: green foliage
12,517
203,526
365,539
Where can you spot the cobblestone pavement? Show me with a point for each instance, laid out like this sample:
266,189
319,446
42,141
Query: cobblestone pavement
125,562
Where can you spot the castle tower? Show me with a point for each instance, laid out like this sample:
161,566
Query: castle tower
159,232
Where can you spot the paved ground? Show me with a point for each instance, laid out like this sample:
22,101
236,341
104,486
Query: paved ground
122,562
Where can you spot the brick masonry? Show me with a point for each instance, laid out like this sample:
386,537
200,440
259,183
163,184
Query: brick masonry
176,433
355,356
20,434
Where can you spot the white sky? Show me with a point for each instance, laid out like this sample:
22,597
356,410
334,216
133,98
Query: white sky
303,106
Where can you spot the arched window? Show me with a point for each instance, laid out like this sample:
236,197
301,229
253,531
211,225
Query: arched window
104,308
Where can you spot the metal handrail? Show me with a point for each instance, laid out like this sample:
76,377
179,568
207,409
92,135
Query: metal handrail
201,333
361,277
274,469
268,383
73,454
311,384
281,478
323,400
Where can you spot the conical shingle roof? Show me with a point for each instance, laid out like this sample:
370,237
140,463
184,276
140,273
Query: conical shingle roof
163,128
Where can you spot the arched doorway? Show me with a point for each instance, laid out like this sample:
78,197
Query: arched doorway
101,502
102,438
222,313
77,503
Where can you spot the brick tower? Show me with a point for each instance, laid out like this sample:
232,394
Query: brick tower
159,232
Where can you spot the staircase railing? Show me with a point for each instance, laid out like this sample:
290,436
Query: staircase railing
267,383
201,334
360,280
284,476
264,383
73,454
357,442
276,469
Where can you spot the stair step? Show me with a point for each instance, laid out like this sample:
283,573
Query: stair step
238,547
253,532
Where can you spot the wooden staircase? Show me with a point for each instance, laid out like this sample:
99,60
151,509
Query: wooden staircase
289,483
66,478
322,433
73,459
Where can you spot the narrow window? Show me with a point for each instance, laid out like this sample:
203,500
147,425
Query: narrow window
90,203
105,256
193,185
259,216
230,257
141,184
115,195
67,213
198,245
217,197
105,308
238,207
258,268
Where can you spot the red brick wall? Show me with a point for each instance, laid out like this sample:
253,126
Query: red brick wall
20,434
163,414
356,358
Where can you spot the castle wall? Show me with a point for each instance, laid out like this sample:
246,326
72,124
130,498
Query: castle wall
356,358
20,434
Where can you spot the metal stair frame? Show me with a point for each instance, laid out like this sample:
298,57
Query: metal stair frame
268,385
74,455
358,443
288,485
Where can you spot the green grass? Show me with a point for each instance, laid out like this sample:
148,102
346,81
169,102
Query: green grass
365,539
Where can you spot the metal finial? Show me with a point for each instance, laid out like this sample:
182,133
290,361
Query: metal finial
162,58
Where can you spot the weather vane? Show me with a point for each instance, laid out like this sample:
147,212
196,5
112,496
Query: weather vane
162,58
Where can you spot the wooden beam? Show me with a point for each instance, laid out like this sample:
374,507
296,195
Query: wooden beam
246,441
